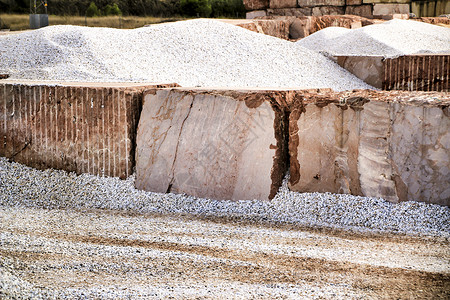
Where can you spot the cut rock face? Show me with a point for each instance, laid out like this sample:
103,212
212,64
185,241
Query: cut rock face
393,145
214,144
82,128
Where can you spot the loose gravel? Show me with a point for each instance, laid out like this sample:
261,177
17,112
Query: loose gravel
195,53
54,189
388,39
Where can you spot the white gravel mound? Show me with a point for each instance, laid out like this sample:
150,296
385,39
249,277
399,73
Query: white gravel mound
389,39
203,53
26,187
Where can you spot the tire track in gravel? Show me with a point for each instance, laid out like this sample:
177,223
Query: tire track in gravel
202,262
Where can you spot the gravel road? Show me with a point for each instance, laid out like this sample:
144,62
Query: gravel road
108,254
64,236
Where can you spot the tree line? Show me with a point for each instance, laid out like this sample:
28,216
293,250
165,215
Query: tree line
157,8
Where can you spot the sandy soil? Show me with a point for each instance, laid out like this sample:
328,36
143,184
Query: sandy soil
109,254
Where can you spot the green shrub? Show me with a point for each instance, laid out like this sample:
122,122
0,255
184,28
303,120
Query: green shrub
115,10
92,10
112,10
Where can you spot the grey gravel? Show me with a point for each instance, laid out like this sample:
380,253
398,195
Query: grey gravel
388,39
195,53
54,189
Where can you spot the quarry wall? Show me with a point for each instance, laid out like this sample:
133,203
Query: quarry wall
365,8
236,144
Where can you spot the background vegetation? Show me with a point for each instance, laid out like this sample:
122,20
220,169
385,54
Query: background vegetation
156,8
21,21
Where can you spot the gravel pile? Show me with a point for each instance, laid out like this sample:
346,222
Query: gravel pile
195,53
388,39
52,189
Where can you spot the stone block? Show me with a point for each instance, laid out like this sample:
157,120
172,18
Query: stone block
417,73
256,4
327,10
215,144
386,1
367,68
296,12
390,9
78,128
283,3
360,10
361,143
278,27
353,2
255,14
299,29
314,3
395,16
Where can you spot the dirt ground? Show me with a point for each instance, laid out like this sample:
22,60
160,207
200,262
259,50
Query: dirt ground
108,254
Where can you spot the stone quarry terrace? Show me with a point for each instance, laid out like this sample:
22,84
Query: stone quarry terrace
235,144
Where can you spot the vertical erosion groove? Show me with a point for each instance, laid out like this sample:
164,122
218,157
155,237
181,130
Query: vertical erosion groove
135,114
110,128
5,125
122,136
128,99
104,140
113,132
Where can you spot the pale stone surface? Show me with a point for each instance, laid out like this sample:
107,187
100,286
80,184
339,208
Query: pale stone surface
255,14
256,4
359,10
326,145
299,29
367,68
327,10
421,156
393,145
390,9
313,3
206,144
283,3
276,28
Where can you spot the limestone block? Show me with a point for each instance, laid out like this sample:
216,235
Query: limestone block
359,10
77,128
417,73
386,1
304,26
395,16
296,12
353,2
255,14
220,145
256,4
298,29
430,8
314,3
367,68
390,9
442,7
362,143
327,10
278,28
283,3
421,156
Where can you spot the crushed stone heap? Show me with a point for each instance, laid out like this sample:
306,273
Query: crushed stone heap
195,53
393,38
